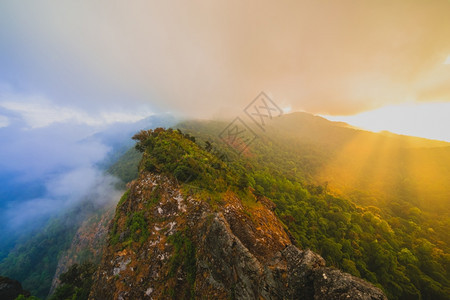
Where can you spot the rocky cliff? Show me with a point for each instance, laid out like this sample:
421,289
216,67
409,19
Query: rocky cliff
87,243
165,243
10,289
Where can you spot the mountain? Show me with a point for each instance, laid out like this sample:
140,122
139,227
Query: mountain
11,289
118,136
37,256
374,205
377,234
87,243
381,167
35,260
221,242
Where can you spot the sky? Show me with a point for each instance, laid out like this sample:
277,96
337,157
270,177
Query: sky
47,169
111,60
70,69
423,119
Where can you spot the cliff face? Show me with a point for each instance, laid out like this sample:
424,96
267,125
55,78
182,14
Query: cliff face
10,289
165,245
87,244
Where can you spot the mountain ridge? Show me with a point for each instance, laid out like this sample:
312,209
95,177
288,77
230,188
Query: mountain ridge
398,247
236,255
169,241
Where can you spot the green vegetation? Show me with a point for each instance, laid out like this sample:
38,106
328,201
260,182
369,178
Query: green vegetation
137,226
154,198
395,244
373,205
183,257
123,198
76,283
22,297
114,234
126,167
34,262
203,172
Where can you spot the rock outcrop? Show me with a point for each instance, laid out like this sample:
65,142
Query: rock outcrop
165,244
10,289
87,244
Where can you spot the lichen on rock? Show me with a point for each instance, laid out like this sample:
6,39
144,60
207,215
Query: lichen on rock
220,242
195,251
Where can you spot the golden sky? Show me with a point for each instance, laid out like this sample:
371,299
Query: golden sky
204,58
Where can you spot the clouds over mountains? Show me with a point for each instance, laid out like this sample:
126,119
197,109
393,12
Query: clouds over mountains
199,58
50,155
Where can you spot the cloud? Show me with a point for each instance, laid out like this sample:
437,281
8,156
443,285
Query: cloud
51,154
41,115
200,58
4,121
62,192
38,114
447,61
69,69
42,151
54,167
38,111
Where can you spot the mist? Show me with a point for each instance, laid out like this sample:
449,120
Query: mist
69,70
45,171
62,192
52,161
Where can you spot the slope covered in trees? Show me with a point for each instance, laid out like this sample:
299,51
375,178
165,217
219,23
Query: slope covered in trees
373,205
34,259
190,226
380,227
388,236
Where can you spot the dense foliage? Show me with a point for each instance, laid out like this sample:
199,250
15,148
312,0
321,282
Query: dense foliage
173,153
34,262
75,283
126,167
34,259
339,191
404,251
184,258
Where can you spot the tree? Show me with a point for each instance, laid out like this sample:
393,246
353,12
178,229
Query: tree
208,146
76,283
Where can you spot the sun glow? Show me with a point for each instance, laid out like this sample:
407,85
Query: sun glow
447,61
428,120
287,109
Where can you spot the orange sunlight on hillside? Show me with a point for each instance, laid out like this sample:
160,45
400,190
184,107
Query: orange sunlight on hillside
428,120
373,167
